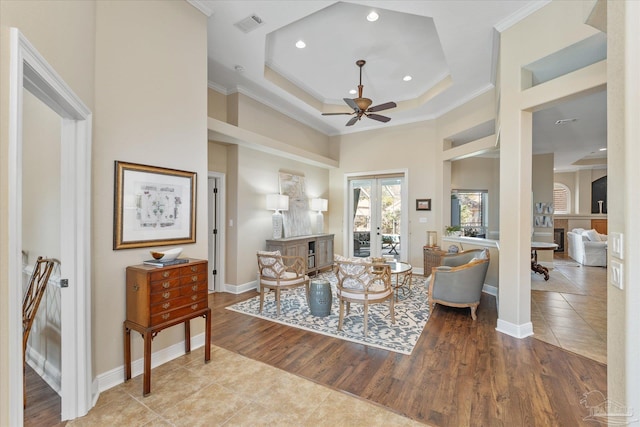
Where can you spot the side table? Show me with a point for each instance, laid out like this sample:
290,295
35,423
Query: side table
432,256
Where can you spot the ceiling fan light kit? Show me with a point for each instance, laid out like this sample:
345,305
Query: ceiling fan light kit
362,106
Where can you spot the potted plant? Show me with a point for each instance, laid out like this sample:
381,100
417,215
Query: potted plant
453,230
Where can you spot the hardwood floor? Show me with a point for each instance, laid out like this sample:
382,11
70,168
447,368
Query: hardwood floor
460,373
43,403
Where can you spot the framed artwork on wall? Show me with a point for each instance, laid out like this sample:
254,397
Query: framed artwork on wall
153,206
423,204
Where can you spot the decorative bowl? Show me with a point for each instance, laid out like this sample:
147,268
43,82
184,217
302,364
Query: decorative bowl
169,255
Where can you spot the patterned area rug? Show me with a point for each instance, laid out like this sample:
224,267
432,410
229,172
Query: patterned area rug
411,313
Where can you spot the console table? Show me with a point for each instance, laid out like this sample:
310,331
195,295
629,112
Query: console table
317,249
161,297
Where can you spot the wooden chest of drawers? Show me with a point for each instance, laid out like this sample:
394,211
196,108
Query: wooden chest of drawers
158,298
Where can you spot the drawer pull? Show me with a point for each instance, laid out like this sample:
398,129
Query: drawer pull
194,306
194,288
194,268
166,305
166,316
166,285
194,278
194,297
166,295
136,288
165,274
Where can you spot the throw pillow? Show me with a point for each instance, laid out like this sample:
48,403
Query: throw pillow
592,235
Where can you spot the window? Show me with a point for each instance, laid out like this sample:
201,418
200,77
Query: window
561,198
470,213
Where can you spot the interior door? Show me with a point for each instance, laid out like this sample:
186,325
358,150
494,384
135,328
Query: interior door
377,223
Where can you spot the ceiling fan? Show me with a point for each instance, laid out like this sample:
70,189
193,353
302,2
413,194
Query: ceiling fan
361,106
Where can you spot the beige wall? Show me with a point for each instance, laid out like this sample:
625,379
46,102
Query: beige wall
216,105
480,173
257,117
64,33
523,44
580,191
409,147
623,109
150,109
258,175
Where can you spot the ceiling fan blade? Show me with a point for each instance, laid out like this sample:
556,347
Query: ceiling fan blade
352,121
379,118
381,107
351,103
337,114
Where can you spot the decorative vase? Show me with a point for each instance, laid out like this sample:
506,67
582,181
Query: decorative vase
320,298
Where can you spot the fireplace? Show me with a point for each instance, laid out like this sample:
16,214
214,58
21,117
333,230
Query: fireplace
558,238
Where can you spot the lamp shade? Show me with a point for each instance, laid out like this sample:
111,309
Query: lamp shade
319,205
277,202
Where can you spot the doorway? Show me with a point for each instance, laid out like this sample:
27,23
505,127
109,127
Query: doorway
378,220
216,203
30,71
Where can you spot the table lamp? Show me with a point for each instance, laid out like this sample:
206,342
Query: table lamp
319,205
277,203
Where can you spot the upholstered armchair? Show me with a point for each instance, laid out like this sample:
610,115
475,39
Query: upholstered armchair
588,247
458,281
279,272
363,283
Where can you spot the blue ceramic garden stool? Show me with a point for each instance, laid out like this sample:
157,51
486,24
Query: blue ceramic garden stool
320,298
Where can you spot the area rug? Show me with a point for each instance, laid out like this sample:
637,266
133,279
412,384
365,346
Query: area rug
411,315
557,282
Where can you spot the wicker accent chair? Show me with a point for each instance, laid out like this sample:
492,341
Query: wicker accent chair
363,283
279,272
30,303
458,281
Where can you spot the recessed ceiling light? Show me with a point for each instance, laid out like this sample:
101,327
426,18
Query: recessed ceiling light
300,44
603,149
353,92
407,78
565,121
372,17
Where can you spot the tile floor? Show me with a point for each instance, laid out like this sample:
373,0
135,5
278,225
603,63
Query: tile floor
574,322
231,390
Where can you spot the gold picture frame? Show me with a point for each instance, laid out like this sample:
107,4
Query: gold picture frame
153,206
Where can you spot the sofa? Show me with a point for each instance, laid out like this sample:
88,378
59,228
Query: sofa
588,247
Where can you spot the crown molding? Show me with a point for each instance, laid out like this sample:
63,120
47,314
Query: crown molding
203,6
218,88
520,15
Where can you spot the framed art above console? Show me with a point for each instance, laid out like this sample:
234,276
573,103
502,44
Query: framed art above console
153,206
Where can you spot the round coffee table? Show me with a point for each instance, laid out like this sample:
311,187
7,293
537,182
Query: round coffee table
404,275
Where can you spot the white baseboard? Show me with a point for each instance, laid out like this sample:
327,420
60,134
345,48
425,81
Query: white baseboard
49,373
518,331
490,289
239,289
115,376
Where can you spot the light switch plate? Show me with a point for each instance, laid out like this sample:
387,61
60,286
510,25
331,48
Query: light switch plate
423,220
617,274
616,246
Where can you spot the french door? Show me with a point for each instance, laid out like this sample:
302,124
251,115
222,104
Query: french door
378,216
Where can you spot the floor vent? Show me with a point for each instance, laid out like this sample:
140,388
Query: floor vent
249,23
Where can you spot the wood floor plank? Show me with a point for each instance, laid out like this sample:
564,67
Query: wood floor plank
461,372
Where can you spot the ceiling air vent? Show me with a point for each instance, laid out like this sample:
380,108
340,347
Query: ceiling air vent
249,23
